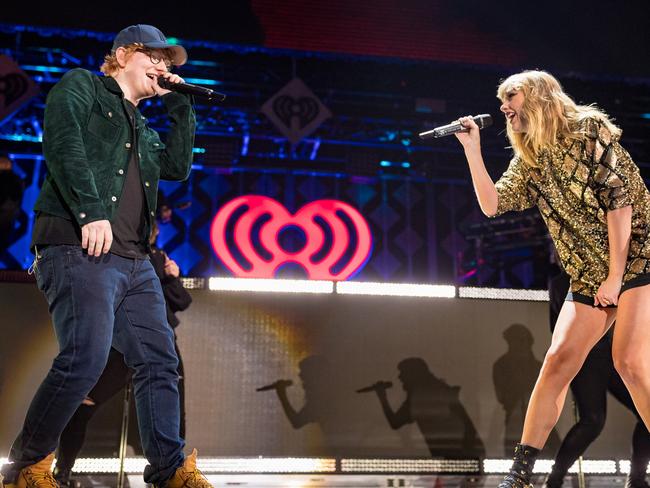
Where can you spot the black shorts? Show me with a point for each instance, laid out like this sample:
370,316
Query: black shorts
641,280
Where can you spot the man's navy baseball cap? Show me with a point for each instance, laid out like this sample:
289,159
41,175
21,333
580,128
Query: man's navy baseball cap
150,37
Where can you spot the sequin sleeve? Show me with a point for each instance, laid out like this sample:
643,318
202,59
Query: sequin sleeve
512,188
612,173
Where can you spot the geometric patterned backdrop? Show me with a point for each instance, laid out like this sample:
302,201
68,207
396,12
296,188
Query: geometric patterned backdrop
14,246
421,229
417,225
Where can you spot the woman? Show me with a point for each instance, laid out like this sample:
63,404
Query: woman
568,162
590,386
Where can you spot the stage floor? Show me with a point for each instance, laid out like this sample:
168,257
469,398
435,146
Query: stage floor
351,481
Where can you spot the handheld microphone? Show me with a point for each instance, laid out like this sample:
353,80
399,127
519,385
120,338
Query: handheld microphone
483,121
275,386
380,385
189,89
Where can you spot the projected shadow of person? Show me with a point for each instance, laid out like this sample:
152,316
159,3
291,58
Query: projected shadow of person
325,404
514,375
435,408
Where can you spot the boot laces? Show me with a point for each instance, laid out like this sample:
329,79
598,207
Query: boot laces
196,479
40,479
510,481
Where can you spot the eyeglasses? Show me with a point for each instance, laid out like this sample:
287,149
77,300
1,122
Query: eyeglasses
156,58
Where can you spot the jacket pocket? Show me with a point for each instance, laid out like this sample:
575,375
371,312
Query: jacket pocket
100,125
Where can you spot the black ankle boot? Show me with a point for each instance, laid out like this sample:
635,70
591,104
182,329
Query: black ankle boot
636,482
522,468
553,480
62,476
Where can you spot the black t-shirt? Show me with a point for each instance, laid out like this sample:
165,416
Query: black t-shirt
128,222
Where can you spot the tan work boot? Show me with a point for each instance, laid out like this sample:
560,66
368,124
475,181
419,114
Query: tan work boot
37,475
187,476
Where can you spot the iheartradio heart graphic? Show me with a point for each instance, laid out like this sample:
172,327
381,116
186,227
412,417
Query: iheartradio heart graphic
246,236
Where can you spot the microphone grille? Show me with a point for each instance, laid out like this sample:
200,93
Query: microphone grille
483,120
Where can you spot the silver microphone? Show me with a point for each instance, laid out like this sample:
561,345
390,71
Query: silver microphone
483,121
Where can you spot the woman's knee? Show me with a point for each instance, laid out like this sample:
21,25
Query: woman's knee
561,362
633,367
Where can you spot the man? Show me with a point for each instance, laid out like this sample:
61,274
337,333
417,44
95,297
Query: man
94,216
117,375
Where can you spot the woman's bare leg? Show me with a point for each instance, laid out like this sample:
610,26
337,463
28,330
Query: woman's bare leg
631,346
579,327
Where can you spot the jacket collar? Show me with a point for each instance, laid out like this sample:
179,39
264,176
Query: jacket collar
111,85
114,87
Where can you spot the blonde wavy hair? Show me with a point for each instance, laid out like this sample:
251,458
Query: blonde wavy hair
548,113
111,66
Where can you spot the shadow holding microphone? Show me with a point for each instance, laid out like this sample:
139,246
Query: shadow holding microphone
434,407
328,403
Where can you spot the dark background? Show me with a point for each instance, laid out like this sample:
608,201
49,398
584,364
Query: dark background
604,37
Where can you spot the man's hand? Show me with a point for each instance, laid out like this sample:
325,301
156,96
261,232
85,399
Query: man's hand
172,78
97,237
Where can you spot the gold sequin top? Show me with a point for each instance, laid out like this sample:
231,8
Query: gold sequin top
575,184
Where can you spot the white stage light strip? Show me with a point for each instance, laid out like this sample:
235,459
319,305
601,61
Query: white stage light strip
395,289
624,467
109,465
494,466
542,465
271,285
328,465
591,466
363,288
410,466
215,465
267,465
503,294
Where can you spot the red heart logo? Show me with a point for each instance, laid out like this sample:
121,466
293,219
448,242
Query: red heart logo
318,262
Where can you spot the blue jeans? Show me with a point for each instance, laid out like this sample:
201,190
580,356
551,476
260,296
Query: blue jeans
96,302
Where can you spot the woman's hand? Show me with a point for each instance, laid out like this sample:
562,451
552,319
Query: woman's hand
619,230
608,292
471,140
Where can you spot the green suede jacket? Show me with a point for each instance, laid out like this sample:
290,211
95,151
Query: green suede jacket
86,146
